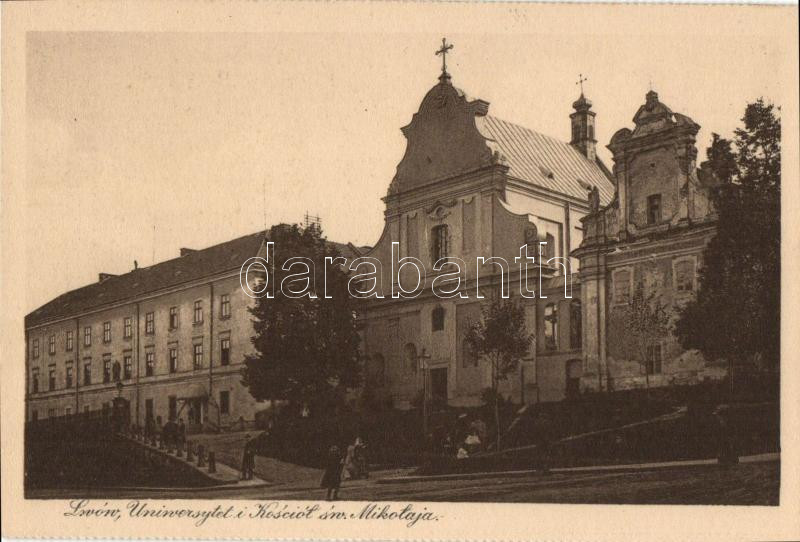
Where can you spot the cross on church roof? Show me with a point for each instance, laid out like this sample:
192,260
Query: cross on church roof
443,51
581,80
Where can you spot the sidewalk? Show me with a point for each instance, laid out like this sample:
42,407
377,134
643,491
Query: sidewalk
664,465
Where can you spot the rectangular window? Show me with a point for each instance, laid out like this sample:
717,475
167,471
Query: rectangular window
173,360
654,358
575,324
68,411
173,407
173,317
70,341
87,373
150,323
225,306
551,326
684,276
106,332
198,312
68,375
35,348
51,345
35,379
127,327
51,413
148,409
225,352
51,377
224,402
549,248
127,366
149,363
198,355
86,408
87,336
106,370
654,209
622,287
439,237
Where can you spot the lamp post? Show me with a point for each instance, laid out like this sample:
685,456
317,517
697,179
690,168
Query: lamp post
423,357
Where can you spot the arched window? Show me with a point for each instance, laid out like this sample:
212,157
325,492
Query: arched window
439,242
551,327
575,324
437,319
410,357
468,358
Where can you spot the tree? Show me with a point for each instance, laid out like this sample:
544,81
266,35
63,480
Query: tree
305,348
500,338
641,325
736,315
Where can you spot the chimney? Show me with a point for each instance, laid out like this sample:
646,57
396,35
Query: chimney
185,251
583,128
104,277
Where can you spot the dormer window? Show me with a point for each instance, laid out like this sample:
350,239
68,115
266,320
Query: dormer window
439,244
654,209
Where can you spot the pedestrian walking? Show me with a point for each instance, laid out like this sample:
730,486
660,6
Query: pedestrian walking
332,478
360,458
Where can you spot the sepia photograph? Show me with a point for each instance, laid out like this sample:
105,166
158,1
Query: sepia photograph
540,265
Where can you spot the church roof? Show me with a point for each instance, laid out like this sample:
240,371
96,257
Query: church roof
545,161
193,265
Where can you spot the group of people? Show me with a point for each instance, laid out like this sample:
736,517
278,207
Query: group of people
466,438
171,433
353,465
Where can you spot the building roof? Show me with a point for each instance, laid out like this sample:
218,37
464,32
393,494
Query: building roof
545,161
193,265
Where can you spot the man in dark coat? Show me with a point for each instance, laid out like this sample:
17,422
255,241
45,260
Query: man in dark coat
332,479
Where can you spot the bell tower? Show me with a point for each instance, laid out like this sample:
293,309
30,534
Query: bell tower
583,125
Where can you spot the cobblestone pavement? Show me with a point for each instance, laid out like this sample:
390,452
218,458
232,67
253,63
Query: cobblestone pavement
754,483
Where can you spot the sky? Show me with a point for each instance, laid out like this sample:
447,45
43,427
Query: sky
139,143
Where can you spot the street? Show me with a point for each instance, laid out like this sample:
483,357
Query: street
744,484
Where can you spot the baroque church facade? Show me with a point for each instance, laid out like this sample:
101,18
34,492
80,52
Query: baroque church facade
471,184
171,337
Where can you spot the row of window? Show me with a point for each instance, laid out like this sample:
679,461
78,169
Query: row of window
684,280
440,244
468,359
116,371
550,324
192,412
224,408
127,326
